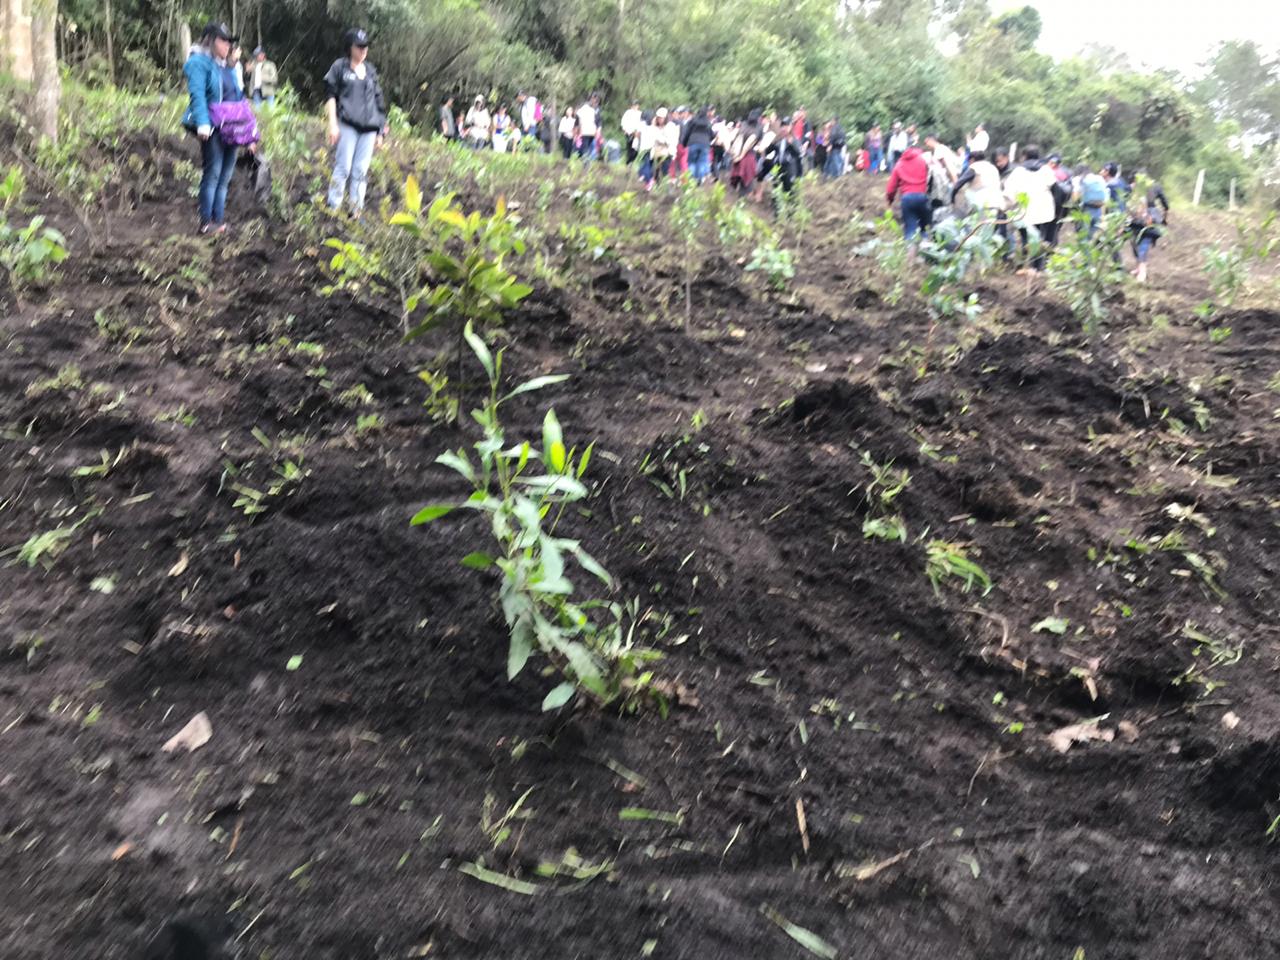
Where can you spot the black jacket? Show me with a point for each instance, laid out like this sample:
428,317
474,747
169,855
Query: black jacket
697,132
360,102
786,161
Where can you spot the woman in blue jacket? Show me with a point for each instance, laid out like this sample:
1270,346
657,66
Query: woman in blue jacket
211,80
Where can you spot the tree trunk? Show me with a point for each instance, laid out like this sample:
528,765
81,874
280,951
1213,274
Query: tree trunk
17,40
111,50
44,55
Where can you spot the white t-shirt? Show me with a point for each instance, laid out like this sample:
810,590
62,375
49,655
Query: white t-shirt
566,126
947,157
979,141
898,143
632,121
587,120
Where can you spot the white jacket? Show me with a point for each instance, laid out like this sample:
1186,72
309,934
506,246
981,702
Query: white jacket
1036,185
985,192
632,121
478,123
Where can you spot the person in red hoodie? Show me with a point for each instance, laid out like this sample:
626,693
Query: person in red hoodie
910,179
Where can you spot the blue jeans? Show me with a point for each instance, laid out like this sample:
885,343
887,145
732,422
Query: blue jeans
351,166
917,214
835,163
219,163
651,169
875,157
587,150
699,161
1142,246
1095,219
258,98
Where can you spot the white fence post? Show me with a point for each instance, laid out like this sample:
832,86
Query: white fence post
1231,200
1195,200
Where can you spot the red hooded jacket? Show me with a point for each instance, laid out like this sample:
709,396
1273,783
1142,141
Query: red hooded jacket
910,175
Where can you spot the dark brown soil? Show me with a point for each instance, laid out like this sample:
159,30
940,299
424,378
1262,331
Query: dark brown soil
330,812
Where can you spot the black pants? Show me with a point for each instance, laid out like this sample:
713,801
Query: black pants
566,147
632,152
1048,237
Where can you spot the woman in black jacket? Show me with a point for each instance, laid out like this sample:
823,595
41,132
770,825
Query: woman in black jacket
357,113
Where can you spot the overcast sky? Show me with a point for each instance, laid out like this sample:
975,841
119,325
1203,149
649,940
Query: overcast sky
1178,34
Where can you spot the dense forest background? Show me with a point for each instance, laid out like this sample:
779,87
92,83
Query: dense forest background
944,64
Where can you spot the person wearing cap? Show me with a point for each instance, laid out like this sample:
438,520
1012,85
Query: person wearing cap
210,80
264,78
478,124
357,114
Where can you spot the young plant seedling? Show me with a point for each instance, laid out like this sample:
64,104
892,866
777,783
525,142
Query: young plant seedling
591,642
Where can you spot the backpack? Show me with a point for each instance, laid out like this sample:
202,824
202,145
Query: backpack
862,160
235,122
537,112
1061,191
1093,190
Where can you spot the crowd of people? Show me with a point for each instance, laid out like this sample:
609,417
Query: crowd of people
1027,201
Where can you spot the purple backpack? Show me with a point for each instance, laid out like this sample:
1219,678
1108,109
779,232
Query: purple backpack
235,122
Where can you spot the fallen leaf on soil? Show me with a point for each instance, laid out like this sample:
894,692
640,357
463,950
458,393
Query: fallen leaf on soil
871,869
499,879
122,851
193,736
677,692
1062,738
801,935
179,568
1128,731
1056,625
803,824
1230,720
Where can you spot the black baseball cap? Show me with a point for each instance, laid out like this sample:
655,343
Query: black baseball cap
356,37
219,31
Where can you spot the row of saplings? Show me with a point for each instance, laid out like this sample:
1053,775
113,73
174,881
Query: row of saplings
523,487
